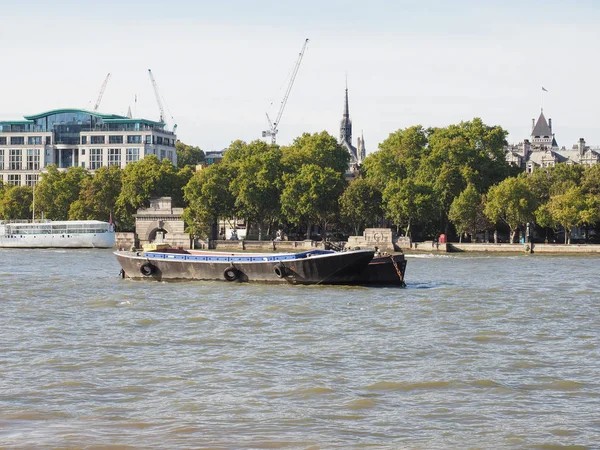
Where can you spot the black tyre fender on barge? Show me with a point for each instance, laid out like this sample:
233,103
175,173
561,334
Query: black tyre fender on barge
280,270
231,273
147,269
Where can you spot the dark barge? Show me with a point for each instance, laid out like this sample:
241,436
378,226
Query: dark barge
358,267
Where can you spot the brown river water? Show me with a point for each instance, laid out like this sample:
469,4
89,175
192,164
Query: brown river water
477,352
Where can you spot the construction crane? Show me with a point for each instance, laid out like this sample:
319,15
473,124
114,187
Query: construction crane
159,101
273,130
101,92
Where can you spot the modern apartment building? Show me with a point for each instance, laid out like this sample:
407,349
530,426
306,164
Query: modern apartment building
78,138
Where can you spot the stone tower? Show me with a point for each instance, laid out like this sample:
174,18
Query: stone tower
346,133
346,123
542,136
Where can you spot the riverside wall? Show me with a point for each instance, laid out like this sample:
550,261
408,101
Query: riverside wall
128,241
524,248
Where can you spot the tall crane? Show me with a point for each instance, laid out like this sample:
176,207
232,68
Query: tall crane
273,130
159,101
101,92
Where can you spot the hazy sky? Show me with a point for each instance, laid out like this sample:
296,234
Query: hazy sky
221,65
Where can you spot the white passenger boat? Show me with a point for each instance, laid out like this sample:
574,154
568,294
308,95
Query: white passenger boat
59,234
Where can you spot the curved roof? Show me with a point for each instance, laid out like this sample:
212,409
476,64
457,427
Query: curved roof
74,110
127,120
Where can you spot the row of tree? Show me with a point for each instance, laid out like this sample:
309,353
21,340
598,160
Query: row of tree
77,194
422,181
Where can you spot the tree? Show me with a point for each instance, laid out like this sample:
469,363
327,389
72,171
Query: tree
511,202
408,202
98,196
570,209
590,181
143,180
360,204
15,203
188,155
209,198
320,149
257,183
311,196
545,182
57,190
399,156
470,152
466,213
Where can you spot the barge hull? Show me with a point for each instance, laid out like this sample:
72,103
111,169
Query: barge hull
347,268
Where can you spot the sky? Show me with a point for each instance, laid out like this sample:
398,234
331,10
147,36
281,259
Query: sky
220,66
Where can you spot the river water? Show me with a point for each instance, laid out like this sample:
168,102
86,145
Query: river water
477,352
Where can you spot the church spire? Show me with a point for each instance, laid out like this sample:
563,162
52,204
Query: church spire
346,109
346,123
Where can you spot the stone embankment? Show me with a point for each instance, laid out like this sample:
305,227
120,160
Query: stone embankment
524,248
455,247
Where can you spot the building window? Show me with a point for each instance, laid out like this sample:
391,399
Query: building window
114,156
15,160
48,140
115,139
33,159
134,139
83,152
83,140
133,155
97,139
13,179
1,159
159,140
31,179
83,164
148,139
3,140
162,154
95,158
34,140
17,140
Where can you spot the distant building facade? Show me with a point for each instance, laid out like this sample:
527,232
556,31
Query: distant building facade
542,150
358,153
77,138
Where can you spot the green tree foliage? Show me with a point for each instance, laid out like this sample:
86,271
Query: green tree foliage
545,182
143,180
399,156
446,159
15,202
511,202
57,190
569,209
257,183
470,152
590,180
360,204
466,213
209,199
408,203
98,196
311,196
320,149
188,155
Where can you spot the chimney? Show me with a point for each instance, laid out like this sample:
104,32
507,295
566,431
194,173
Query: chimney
550,124
532,125
581,146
